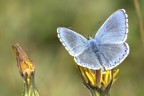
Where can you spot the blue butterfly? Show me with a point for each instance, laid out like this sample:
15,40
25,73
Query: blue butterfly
106,50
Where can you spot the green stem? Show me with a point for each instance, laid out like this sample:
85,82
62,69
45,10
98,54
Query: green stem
29,87
96,92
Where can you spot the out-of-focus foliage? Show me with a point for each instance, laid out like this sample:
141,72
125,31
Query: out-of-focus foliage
33,23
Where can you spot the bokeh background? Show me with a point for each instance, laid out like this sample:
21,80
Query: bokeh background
33,24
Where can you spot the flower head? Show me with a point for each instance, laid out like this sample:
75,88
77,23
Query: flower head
98,80
25,66
26,69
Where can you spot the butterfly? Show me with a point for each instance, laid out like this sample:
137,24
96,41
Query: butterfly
106,50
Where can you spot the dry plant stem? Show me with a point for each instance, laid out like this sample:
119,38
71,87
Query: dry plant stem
139,17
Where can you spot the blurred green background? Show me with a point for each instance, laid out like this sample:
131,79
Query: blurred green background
33,24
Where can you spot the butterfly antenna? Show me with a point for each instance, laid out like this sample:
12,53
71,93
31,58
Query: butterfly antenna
89,37
98,24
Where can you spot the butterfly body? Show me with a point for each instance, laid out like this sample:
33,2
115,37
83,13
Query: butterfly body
106,50
92,45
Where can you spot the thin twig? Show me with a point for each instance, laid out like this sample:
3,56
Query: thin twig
139,17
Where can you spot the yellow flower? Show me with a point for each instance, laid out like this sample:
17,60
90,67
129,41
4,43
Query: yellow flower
97,79
25,66
26,69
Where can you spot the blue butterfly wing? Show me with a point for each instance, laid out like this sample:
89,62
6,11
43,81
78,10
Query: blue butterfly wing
77,47
115,28
113,54
73,42
88,59
111,39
